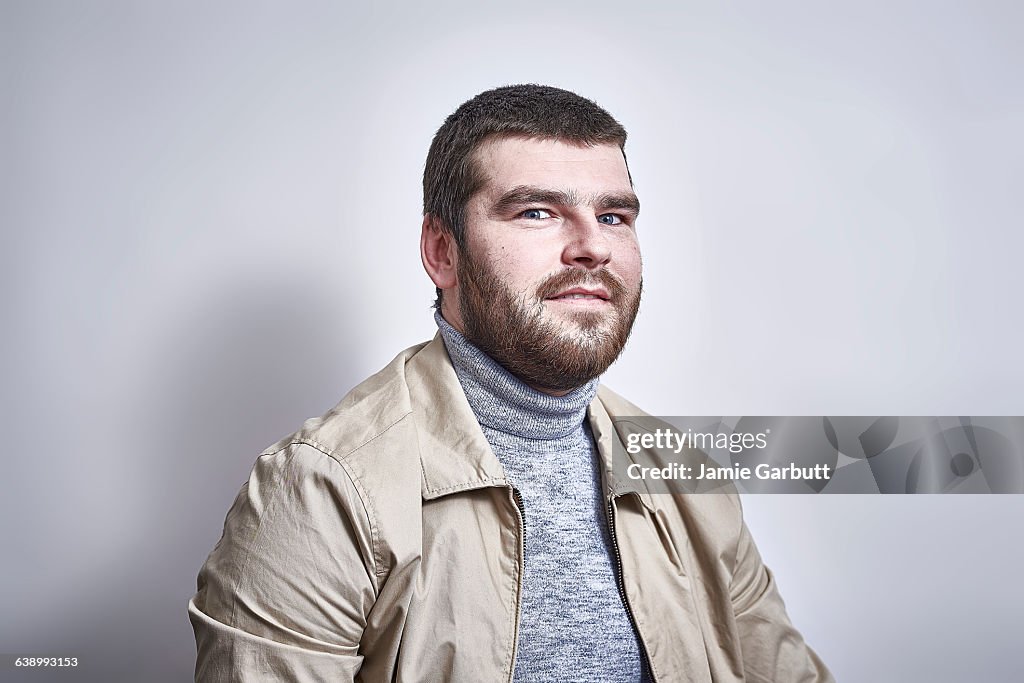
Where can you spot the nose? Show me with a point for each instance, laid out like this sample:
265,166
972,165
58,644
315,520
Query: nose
587,245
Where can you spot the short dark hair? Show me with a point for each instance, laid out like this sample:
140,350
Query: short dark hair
451,176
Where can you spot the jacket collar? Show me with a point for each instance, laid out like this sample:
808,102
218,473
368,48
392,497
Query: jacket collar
454,453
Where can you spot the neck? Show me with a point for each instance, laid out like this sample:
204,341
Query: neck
502,401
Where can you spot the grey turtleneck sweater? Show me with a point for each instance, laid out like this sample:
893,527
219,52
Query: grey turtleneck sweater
573,624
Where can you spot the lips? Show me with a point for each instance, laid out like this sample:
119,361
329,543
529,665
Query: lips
581,293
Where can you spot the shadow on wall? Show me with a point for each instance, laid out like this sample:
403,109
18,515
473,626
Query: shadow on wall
232,376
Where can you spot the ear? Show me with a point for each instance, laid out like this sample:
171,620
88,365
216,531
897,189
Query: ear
439,253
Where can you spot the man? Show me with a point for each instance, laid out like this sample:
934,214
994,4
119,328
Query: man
457,517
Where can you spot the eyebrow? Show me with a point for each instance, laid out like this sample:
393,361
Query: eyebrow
525,195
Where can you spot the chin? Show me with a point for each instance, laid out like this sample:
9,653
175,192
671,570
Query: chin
585,320
589,337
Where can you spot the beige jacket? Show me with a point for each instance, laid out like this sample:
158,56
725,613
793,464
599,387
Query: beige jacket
382,542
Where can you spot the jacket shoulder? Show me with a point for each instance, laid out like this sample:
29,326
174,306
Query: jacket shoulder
372,433
367,411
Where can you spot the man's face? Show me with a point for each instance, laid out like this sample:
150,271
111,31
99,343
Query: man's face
549,285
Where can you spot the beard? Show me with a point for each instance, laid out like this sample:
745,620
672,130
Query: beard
519,331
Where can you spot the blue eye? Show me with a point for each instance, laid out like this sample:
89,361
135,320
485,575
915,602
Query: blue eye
535,214
609,219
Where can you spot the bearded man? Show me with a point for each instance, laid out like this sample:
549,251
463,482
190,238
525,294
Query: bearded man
457,516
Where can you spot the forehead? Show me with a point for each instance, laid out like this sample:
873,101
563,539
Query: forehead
553,164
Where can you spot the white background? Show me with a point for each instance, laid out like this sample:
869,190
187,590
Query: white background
210,215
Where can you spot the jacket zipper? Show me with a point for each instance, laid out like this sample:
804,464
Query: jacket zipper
622,589
517,498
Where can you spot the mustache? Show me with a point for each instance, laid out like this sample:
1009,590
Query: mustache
577,277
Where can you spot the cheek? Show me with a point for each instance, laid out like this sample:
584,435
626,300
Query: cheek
630,261
523,265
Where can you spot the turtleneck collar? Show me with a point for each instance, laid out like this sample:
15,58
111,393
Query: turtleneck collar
502,401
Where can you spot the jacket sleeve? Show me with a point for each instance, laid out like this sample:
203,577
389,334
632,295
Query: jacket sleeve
771,647
285,593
